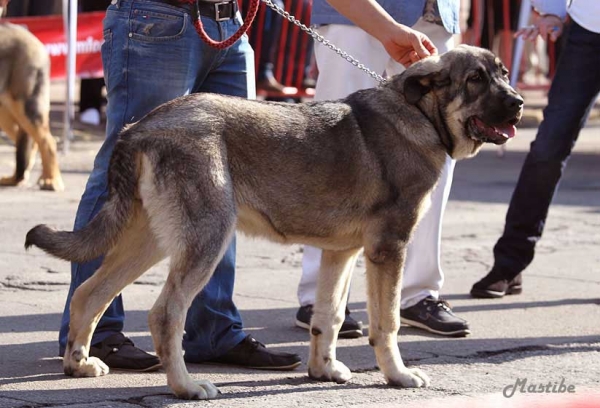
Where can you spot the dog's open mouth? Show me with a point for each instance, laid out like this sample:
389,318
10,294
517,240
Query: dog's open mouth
498,134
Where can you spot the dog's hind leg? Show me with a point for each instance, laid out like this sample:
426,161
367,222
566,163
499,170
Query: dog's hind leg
385,262
328,315
25,149
34,119
8,124
191,268
135,252
25,157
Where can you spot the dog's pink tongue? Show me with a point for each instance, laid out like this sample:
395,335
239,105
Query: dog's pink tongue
507,130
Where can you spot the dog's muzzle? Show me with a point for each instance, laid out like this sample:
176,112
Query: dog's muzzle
497,134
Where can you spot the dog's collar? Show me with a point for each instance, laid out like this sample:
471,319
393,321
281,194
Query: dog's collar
445,135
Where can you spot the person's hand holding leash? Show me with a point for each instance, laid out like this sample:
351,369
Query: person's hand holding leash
404,44
408,46
548,26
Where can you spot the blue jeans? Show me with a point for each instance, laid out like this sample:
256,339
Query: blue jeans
572,94
152,54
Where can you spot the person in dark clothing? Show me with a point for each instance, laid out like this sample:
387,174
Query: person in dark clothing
575,89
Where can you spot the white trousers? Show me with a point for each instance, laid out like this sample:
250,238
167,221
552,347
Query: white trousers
337,78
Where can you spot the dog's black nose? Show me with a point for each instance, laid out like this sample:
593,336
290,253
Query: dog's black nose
513,101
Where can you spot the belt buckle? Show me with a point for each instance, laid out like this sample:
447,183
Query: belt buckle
218,12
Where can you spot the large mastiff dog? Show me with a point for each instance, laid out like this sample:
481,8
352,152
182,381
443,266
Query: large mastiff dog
340,175
25,106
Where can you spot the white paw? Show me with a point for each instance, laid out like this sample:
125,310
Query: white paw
410,378
87,367
197,391
331,371
211,390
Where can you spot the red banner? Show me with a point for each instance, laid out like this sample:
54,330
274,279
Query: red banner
50,30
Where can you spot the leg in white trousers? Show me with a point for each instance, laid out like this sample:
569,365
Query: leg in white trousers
337,78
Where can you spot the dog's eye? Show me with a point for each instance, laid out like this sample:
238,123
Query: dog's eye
476,77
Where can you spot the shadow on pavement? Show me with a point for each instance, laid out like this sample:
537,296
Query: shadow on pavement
488,178
278,318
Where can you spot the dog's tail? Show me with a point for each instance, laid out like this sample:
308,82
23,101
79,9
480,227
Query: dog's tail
103,231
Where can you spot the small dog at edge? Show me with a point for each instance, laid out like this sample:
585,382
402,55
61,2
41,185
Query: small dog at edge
340,175
25,106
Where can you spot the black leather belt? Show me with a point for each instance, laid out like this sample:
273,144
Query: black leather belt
219,10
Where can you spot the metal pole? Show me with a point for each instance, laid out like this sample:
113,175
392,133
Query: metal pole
524,14
70,23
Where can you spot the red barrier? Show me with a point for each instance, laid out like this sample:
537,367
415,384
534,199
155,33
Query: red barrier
293,54
290,65
483,15
50,31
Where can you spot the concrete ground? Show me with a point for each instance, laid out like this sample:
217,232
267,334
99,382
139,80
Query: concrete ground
549,334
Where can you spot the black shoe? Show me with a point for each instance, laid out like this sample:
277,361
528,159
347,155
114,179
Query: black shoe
351,329
118,352
495,285
436,317
250,353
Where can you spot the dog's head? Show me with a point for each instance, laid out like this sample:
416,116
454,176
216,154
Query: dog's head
466,95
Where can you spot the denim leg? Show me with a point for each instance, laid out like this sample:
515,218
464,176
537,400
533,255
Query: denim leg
572,94
213,324
149,57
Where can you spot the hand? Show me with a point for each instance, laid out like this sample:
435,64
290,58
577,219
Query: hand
548,26
406,45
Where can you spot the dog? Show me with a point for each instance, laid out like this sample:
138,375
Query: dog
25,106
340,175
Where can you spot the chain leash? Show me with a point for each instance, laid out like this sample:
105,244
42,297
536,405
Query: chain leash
324,41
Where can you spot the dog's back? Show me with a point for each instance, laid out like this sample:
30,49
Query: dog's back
24,61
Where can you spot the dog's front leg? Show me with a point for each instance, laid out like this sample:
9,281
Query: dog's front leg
385,261
328,315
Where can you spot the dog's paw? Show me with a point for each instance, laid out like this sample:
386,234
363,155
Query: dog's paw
51,184
10,181
197,391
331,371
87,367
410,378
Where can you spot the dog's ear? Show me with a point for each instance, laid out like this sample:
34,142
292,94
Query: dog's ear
415,86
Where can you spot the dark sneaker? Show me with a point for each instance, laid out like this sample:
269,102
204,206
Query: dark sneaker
118,352
435,316
351,329
494,285
250,353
